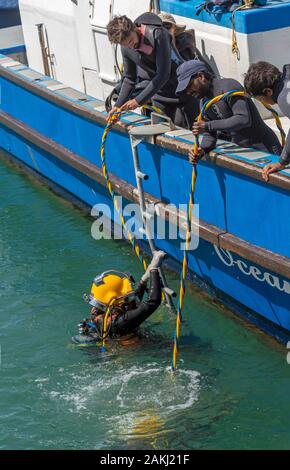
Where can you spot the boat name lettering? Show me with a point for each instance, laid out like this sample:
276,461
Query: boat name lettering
248,270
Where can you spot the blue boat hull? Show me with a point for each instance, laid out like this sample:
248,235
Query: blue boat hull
227,200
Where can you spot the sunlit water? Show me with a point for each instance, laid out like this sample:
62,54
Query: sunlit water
231,390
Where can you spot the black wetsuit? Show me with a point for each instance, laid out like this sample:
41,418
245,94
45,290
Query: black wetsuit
185,44
281,95
153,76
236,120
130,320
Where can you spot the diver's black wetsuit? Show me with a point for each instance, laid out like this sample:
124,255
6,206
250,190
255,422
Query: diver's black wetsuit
130,320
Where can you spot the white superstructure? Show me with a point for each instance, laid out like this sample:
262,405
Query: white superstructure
80,54
75,43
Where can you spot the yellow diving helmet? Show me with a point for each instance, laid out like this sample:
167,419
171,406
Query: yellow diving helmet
109,286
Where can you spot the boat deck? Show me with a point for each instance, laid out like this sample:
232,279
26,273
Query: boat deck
254,158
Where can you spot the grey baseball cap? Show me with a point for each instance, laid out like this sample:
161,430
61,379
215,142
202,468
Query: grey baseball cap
186,71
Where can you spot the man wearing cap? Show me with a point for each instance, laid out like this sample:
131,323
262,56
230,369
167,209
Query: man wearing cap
150,64
235,119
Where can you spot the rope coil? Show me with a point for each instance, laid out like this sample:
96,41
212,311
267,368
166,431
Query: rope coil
235,48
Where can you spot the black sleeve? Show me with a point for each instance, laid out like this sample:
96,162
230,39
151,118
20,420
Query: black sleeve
141,289
129,78
132,319
163,66
240,119
208,142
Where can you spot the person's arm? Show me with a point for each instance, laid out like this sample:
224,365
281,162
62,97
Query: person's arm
132,319
281,164
208,142
129,78
141,289
163,67
240,119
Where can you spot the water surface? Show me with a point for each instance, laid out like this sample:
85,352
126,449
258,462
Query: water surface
231,390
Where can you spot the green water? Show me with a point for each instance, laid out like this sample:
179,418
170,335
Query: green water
231,390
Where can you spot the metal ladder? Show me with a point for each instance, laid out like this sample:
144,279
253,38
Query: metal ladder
137,135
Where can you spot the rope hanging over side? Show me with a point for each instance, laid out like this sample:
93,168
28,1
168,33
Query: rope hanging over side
131,238
182,287
183,273
114,118
235,48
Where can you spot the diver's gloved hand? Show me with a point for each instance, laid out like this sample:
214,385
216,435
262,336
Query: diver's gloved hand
156,262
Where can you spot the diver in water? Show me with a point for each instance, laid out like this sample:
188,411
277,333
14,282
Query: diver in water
118,309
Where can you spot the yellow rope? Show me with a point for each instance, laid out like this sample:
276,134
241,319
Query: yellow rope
105,324
152,108
243,93
235,48
277,120
183,273
114,118
182,287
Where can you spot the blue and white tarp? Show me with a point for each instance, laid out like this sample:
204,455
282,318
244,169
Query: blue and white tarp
8,4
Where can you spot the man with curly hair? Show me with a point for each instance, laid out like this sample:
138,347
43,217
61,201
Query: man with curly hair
265,82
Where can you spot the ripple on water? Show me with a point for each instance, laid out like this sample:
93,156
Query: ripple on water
130,402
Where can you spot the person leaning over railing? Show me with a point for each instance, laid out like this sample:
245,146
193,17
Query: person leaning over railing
147,46
235,119
266,83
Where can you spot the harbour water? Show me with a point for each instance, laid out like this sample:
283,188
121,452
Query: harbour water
231,390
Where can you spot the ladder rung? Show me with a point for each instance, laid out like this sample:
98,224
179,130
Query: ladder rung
142,176
169,291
